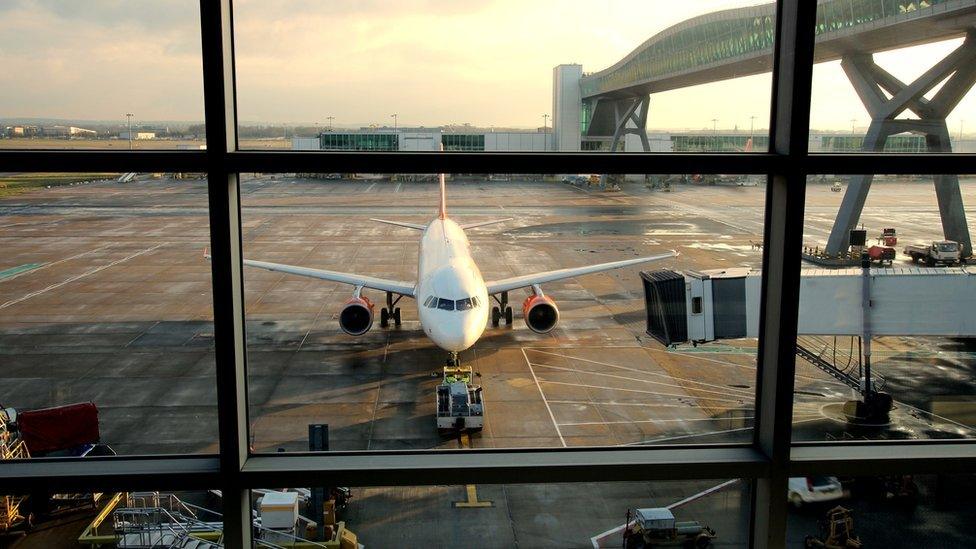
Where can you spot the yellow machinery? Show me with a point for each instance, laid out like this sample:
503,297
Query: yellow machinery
837,532
12,447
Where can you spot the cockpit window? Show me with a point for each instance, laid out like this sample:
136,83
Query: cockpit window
474,301
430,301
464,304
445,304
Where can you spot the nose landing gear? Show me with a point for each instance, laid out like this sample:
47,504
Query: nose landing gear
502,311
390,312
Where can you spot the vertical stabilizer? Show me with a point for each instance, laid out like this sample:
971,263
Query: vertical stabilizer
442,212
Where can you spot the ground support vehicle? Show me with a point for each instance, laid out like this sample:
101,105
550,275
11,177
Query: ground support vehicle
460,405
945,252
656,527
836,531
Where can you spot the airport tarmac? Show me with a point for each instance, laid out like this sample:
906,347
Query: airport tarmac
105,296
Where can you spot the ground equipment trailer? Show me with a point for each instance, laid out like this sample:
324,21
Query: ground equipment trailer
944,252
836,532
459,402
656,527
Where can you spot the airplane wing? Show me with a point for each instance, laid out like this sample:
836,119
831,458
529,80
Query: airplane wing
483,223
400,224
523,281
395,286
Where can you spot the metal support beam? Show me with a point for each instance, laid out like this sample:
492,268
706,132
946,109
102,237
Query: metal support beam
782,240
631,110
874,85
216,20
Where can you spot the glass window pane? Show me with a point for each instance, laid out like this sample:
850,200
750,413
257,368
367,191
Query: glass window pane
882,353
891,511
325,77
624,362
105,303
445,304
101,75
868,51
463,304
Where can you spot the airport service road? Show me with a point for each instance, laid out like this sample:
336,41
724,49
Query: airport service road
105,296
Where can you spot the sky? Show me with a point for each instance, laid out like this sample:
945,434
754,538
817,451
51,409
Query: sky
432,62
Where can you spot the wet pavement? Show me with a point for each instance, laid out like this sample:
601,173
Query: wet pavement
119,312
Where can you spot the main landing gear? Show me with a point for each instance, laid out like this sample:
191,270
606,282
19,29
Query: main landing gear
502,311
390,312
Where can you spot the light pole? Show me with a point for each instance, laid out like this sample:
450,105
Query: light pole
752,125
330,118
394,117
853,120
545,132
715,125
960,129
128,127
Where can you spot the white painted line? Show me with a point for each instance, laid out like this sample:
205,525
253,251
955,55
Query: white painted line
46,265
614,403
676,386
634,390
369,188
644,372
680,437
546,402
397,189
652,421
78,277
595,540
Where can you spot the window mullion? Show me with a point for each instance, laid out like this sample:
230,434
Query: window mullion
227,267
782,240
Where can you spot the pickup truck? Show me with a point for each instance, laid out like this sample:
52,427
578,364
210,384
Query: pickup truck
945,252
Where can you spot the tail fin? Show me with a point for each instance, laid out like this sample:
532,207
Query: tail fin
442,213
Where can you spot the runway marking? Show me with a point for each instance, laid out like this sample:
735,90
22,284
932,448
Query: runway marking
543,395
702,383
724,392
471,491
397,189
46,265
369,188
652,421
634,391
693,435
79,277
595,540
613,403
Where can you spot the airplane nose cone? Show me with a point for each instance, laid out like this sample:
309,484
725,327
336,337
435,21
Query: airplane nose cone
460,334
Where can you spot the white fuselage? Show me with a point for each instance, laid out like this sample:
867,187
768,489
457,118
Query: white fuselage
452,299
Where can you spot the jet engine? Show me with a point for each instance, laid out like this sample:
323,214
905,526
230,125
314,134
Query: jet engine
356,316
540,313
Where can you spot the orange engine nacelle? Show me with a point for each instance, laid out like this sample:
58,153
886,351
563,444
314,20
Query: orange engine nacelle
540,313
356,316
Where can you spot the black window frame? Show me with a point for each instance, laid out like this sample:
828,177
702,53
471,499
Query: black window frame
768,461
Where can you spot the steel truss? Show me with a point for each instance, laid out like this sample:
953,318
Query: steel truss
870,81
768,462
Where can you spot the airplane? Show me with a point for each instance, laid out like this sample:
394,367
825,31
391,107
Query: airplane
452,297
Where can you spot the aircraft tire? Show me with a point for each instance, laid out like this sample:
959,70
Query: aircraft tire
508,316
384,318
495,316
396,316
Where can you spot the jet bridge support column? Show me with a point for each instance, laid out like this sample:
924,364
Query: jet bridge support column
871,82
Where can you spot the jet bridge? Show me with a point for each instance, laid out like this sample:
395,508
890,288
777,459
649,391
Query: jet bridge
702,306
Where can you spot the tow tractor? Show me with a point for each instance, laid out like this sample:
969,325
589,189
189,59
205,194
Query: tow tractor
836,532
656,527
459,401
